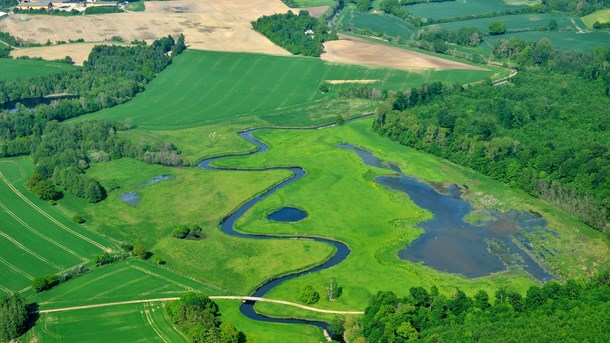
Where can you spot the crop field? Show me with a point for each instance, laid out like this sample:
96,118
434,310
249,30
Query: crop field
207,24
127,280
516,22
561,40
11,69
146,322
381,222
313,3
376,22
35,239
460,8
601,16
209,87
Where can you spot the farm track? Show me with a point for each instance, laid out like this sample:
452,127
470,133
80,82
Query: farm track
219,297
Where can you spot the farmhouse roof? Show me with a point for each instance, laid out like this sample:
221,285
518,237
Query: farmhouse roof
2,14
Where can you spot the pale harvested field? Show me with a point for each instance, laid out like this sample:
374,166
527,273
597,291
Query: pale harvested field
314,11
359,51
79,52
207,24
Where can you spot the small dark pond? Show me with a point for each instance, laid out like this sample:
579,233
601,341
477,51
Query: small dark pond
453,245
288,214
31,103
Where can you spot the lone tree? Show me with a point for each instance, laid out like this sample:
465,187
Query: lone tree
334,291
497,28
13,317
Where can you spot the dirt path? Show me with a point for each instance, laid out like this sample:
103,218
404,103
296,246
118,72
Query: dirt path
576,25
287,303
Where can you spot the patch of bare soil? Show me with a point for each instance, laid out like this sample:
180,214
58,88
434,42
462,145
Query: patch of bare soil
314,11
359,51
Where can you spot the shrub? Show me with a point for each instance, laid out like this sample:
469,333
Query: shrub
181,232
309,295
45,282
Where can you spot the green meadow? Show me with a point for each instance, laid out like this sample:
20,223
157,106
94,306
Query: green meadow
376,22
312,3
343,202
193,196
601,16
560,40
11,69
145,322
461,8
131,279
35,238
203,87
516,22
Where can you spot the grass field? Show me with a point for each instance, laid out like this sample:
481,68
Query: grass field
515,22
460,8
193,196
560,40
145,322
381,222
35,238
127,280
202,88
601,16
376,23
11,69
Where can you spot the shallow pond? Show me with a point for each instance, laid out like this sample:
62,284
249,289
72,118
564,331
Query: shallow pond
451,244
288,214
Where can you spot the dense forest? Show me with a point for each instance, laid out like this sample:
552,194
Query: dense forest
300,34
546,131
570,312
198,318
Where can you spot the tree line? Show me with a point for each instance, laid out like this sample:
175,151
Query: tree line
546,132
300,34
573,311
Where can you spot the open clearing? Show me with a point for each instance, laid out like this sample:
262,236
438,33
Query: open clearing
601,16
35,239
359,51
12,69
79,52
201,88
210,25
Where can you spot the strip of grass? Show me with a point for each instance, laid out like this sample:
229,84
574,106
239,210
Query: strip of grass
515,22
267,332
560,40
376,23
11,69
124,323
127,280
36,239
460,8
202,88
345,203
193,196
601,16
313,3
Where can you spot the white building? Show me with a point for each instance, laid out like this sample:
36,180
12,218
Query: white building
3,14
